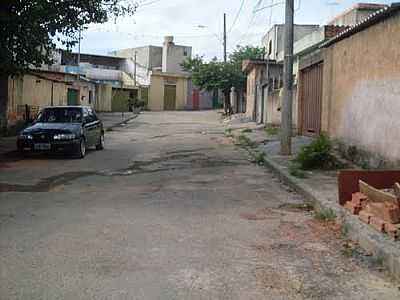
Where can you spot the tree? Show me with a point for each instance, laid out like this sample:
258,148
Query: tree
29,29
222,76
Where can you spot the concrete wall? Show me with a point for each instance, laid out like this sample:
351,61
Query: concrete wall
156,91
251,94
103,97
362,87
173,56
276,36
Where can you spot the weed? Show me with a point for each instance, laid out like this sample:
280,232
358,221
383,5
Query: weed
377,262
304,206
228,132
344,230
318,155
260,159
348,249
245,141
247,130
295,171
270,130
326,215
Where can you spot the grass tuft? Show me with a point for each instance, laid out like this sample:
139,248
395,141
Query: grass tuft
326,215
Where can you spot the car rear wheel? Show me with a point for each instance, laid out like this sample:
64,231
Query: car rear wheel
81,148
100,144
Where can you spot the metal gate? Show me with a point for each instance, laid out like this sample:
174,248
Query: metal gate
72,97
311,100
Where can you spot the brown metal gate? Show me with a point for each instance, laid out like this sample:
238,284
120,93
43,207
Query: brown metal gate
311,100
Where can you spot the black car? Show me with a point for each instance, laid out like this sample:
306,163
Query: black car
66,128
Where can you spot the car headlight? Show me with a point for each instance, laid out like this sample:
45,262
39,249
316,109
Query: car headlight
24,136
64,136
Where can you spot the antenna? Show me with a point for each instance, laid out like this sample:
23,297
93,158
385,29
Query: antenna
332,4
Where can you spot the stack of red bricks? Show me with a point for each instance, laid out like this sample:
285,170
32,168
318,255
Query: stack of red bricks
383,213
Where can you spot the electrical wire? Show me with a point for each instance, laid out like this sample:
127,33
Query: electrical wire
237,16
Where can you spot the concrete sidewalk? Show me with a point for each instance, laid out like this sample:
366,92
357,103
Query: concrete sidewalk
321,189
110,120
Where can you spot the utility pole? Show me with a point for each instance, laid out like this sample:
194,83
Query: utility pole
224,37
134,70
286,130
79,54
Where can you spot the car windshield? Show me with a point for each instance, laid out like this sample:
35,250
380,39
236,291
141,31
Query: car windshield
60,115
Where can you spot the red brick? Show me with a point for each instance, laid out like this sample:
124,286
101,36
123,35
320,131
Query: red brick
354,209
378,224
386,211
365,216
392,231
359,199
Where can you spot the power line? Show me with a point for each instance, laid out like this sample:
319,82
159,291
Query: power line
237,16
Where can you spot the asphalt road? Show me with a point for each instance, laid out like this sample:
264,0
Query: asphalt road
171,209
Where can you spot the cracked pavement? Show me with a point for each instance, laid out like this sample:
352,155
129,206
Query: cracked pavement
169,210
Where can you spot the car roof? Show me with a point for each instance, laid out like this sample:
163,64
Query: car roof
69,106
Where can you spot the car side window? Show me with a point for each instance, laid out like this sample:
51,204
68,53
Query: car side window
91,117
85,115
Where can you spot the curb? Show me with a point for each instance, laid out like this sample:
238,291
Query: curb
381,247
122,122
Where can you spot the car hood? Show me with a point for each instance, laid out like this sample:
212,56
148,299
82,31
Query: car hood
53,128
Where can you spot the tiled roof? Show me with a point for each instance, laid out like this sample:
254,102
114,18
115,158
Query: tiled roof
373,19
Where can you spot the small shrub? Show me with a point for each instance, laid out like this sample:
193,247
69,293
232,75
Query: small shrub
247,130
326,215
228,132
270,130
260,159
295,171
318,155
245,141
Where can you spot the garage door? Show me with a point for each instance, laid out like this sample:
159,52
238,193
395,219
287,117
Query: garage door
311,100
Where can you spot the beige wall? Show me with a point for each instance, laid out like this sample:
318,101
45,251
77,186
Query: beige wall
37,91
156,91
361,97
103,97
274,104
251,93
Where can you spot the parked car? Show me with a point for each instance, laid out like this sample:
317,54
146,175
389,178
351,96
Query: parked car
67,128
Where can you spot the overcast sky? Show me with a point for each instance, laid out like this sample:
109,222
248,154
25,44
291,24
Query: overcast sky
181,18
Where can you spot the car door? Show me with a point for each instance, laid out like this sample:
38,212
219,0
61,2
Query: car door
97,126
88,127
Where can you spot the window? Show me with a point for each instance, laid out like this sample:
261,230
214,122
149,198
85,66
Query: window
270,47
185,52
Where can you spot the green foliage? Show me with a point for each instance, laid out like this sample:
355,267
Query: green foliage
245,141
247,130
29,29
318,155
260,159
295,171
326,215
220,75
228,132
271,130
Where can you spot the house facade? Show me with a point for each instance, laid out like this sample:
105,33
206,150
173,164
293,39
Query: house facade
361,89
159,68
307,72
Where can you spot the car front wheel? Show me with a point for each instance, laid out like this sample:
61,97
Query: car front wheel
100,143
81,148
